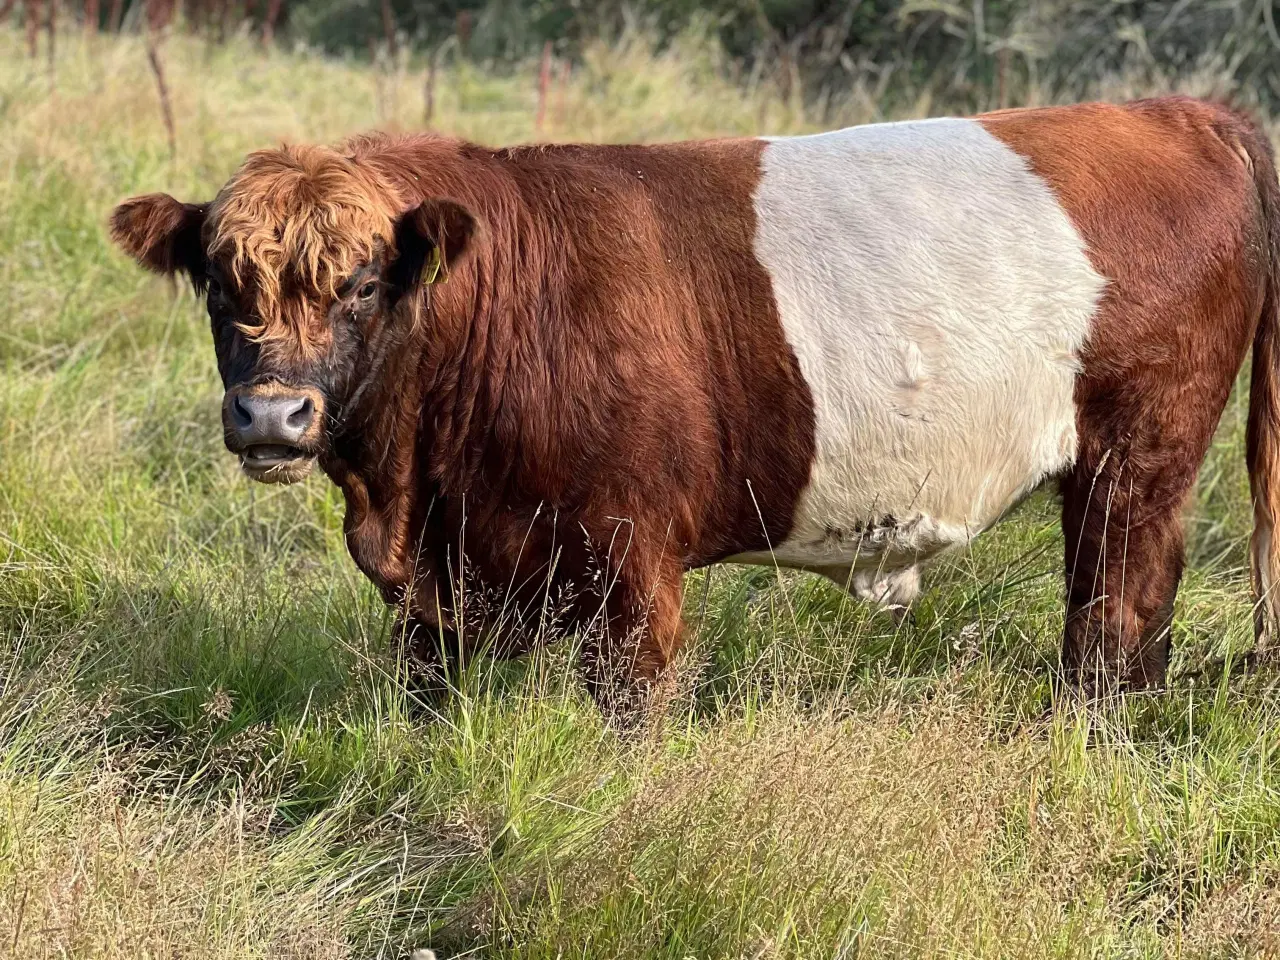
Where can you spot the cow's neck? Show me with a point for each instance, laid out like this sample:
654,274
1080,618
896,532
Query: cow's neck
496,297
428,423
377,465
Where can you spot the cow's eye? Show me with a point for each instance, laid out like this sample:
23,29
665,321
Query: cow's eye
213,288
368,290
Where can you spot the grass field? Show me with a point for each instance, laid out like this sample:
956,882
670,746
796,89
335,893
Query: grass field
203,752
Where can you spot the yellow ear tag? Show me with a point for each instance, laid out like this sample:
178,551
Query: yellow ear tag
431,272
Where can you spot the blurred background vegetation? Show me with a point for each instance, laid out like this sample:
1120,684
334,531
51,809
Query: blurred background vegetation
921,54
205,749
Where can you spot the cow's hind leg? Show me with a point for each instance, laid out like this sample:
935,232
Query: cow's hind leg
1122,522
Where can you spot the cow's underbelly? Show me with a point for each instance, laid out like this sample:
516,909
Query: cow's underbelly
936,297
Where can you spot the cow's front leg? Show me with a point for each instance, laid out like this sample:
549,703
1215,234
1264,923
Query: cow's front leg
429,655
632,641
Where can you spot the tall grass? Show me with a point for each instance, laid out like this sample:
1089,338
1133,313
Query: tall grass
204,749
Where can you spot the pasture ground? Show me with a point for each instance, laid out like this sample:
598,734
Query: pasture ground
203,753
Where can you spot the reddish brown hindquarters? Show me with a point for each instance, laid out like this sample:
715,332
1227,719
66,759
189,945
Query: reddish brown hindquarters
1177,203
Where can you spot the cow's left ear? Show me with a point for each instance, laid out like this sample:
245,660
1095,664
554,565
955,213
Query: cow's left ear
432,239
161,234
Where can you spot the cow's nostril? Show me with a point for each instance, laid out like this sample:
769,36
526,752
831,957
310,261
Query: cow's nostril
300,419
240,414
256,417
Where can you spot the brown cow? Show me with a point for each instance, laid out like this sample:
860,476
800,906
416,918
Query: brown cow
843,353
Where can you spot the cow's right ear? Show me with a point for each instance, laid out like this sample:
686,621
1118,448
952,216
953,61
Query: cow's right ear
161,234
432,239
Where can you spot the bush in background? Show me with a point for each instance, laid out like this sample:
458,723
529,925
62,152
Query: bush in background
920,55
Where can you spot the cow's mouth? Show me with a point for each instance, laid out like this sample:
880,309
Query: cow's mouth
275,463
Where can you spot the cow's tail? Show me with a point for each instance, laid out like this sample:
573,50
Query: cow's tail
1263,433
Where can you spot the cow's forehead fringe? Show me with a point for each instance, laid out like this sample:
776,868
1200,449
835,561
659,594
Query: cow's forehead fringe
296,222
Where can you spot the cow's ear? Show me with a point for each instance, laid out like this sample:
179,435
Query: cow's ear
161,234
432,239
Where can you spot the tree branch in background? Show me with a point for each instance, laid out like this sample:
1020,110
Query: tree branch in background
6,8
117,16
91,16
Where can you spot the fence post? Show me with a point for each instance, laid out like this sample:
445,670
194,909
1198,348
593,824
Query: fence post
462,27
389,28
562,91
429,94
544,80
52,27
269,27
158,12
33,27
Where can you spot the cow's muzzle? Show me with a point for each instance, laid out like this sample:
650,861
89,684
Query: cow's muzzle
275,429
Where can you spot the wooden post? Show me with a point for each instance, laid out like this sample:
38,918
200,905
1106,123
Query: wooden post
117,16
558,117
463,28
544,80
160,14
269,27
157,17
91,16
1003,77
389,28
784,79
51,25
429,94
33,27
376,60
222,18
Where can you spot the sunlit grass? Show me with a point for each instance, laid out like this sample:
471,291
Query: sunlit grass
204,749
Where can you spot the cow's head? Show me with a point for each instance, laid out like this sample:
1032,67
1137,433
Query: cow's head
303,257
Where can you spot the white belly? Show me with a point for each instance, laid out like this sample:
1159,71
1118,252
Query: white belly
936,296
